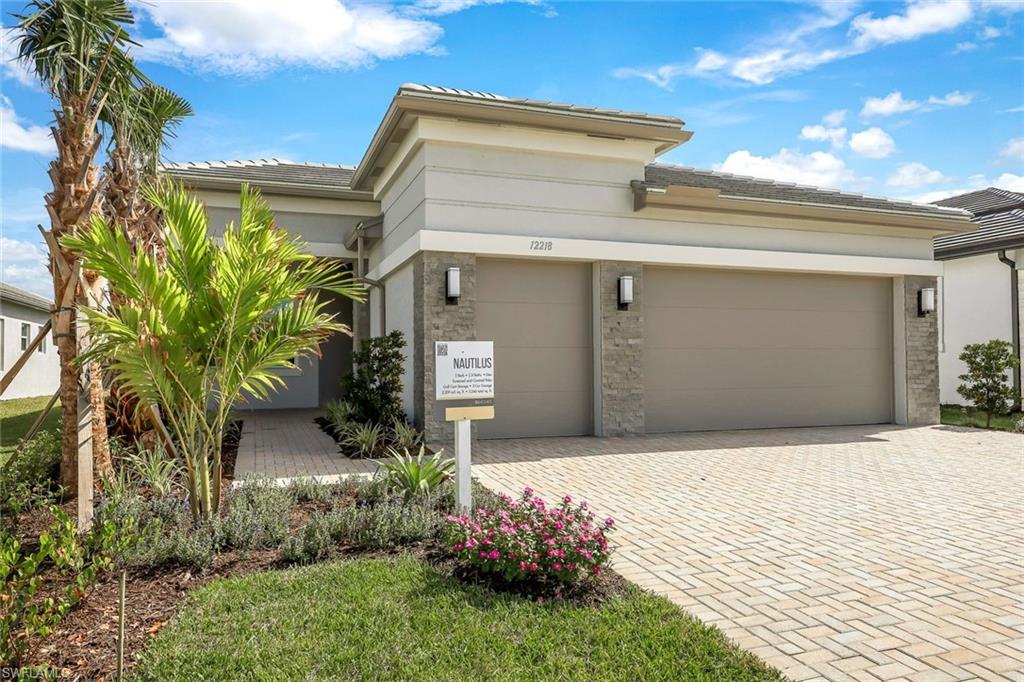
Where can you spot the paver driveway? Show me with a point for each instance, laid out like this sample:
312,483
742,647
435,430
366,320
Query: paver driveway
838,553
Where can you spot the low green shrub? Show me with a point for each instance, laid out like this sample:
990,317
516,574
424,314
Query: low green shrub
363,440
404,436
152,468
416,477
31,480
256,515
308,489
190,547
339,413
374,387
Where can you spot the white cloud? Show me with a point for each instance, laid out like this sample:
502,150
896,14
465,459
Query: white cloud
914,175
254,36
873,143
10,66
813,41
1013,151
991,33
817,168
952,99
442,7
834,118
894,103
1010,181
24,265
922,17
966,46
820,133
16,134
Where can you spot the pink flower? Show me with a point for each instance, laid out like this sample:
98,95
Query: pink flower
495,554
458,546
528,491
567,499
557,566
609,522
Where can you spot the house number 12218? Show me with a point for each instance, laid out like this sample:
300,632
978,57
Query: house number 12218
540,245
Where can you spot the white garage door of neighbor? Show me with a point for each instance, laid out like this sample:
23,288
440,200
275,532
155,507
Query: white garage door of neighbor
538,315
726,349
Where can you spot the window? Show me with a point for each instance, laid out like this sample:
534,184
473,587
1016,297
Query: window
26,335
42,342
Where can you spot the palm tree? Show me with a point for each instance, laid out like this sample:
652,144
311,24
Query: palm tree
77,50
209,326
141,120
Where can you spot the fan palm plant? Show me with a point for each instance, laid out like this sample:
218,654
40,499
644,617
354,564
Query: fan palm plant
210,326
77,49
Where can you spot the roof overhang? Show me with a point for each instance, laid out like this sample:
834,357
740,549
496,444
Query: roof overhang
646,195
13,294
371,229
294,189
978,249
410,102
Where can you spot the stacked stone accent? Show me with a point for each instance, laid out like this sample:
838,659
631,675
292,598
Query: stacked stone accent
922,342
622,362
436,320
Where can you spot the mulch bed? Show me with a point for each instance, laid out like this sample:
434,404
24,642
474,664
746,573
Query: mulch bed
83,646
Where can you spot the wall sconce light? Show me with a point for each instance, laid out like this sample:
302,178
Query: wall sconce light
625,291
452,286
925,301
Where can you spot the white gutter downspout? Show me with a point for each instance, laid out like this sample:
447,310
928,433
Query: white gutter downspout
1015,321
370,283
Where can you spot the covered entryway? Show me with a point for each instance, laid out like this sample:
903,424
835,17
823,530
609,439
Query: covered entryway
538,315
729,349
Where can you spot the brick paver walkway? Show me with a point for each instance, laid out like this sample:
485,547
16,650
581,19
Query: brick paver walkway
287,443
836,553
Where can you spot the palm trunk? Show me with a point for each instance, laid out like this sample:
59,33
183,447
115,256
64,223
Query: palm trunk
70,205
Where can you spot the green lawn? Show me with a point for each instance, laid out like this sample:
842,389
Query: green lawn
955,415
400,619
17,415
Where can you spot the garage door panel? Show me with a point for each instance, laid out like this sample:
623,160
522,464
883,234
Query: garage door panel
556,413
765,368
761,408
758,290
715,328
536,324
730,349
539,316
542,369
524,281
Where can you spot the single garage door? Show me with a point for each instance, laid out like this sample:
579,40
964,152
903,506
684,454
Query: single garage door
726,349
538,315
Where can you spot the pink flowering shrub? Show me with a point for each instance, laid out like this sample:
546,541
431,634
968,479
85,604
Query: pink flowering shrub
526,540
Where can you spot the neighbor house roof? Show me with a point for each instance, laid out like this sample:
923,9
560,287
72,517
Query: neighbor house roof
25,298
999,216
271,175
660,177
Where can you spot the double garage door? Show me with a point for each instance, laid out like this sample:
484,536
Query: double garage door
723,349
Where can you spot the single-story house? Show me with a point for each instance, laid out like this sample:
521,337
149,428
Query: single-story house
981,292
753,303
22,315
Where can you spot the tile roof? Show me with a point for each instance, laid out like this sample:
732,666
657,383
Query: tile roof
314,175
988,200
742,186
999,215
26,298
581,109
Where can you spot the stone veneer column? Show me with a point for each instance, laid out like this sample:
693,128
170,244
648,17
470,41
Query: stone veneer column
435,320
620,351
922,356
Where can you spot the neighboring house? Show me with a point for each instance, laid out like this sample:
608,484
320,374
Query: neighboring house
22,314
756,303
982,290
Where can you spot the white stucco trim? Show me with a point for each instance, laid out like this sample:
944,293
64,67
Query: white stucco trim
519,246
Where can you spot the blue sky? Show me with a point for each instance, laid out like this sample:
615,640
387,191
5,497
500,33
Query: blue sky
918,99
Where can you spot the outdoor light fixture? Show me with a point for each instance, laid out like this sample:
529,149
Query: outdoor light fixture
925,301
452,286
625,291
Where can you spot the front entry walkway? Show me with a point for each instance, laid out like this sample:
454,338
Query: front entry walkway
835,553
284,444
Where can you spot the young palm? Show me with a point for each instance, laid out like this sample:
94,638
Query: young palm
211,325
77,50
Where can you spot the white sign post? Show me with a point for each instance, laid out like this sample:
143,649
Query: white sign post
464,387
